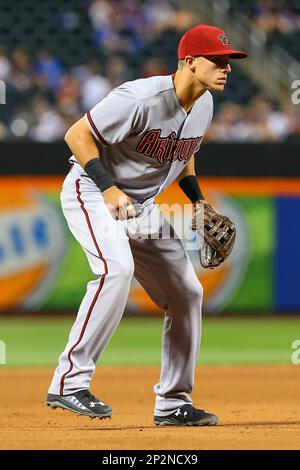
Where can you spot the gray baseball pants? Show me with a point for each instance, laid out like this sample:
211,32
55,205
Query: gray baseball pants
116,250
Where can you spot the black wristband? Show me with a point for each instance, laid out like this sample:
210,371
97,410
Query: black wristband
96,171
190,187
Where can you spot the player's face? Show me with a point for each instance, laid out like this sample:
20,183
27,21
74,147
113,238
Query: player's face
212,71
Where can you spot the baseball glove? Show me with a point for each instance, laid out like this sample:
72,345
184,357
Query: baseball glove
218,234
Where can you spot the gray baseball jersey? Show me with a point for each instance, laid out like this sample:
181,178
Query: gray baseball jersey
145,139
145,136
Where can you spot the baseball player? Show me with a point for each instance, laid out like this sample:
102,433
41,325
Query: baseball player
129,148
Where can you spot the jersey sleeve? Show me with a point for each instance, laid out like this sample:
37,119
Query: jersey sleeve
117,116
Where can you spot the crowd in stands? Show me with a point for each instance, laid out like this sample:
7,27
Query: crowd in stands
43,99
276,16
44,96
129,25
259,121
277,20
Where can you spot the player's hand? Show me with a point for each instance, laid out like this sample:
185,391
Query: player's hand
119,204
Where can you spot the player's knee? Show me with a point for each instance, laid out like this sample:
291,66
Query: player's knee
127,270
119,267
124,268
195,292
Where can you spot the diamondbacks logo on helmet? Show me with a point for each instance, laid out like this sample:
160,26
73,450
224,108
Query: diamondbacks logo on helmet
223,38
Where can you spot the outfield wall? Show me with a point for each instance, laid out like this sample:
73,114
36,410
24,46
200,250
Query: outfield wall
43,268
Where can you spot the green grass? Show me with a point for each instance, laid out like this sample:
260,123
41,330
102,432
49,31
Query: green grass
137,341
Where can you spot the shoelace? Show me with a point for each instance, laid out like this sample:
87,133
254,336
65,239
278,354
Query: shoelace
87,394
190,410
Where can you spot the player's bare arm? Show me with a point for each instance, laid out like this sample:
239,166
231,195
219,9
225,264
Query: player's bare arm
188,170
82,144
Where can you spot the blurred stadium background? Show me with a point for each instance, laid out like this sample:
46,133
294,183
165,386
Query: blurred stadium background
60,58
57,60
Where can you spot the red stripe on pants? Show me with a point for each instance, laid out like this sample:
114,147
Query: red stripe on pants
98,290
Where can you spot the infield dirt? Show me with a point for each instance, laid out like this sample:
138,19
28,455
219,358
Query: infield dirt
258,407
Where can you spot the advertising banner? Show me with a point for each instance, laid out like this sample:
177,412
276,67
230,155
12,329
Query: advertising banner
43,268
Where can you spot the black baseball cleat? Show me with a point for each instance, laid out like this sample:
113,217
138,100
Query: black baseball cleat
82,403
187,415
